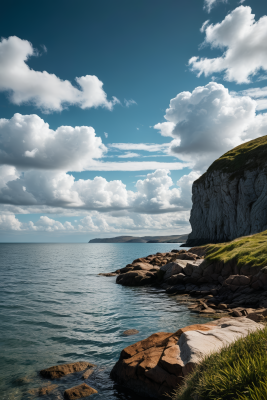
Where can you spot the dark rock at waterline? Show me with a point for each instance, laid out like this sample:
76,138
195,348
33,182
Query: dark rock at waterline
58,371
130,332
77,392
136,278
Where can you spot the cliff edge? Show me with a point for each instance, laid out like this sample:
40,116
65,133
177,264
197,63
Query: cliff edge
230,199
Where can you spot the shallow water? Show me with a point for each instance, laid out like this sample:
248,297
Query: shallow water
55,308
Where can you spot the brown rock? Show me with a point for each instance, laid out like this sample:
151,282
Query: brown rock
195,327
136,278
155,340
130,332
42,391
258,316
222,306
237,313
78,392
208,311
58,371
108,274
87,373
153,366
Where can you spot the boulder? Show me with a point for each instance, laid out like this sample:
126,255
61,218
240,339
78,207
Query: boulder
174,279
130,332
58,371
136,278
153,367
173,268
77,392
238,280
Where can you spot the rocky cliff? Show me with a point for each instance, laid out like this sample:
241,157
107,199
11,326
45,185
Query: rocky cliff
230,199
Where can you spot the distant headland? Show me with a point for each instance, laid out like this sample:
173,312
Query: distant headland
143,239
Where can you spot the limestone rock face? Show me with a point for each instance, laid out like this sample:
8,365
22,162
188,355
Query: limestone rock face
194,345
226,206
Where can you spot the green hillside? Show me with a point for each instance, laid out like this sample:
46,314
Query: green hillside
247,156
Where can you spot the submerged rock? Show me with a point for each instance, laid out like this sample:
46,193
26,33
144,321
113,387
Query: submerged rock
130,332
42,391
77,392
58,371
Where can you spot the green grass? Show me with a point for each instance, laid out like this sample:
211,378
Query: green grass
237,372
247,156
247,250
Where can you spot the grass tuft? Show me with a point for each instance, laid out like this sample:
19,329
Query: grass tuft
237,372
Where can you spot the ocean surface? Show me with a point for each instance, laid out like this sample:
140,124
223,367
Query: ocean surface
55,308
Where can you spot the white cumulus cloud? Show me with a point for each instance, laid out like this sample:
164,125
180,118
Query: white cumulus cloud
244,42
56,189
210,121
27,141
42,89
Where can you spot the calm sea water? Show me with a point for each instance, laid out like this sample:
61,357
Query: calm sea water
54,308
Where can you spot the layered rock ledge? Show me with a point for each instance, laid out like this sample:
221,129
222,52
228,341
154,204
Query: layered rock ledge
154,367
221,287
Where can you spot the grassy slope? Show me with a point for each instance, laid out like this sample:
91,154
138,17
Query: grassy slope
247,156
250,250
237,372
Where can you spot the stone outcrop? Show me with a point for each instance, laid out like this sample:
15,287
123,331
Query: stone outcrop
58,371
230,199
194,345
78,392
155,366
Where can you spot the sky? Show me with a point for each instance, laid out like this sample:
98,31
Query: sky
109,111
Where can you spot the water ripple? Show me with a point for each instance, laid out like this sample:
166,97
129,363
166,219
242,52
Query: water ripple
54,308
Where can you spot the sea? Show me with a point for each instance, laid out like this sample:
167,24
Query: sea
55,309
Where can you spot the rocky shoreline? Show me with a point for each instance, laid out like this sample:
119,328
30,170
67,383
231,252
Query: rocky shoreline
235,296
156,366
216,288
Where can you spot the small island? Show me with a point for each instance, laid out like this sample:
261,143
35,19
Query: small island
143,239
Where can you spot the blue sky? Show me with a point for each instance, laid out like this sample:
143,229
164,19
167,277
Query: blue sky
130,169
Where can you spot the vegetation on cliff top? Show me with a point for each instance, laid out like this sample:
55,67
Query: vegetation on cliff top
237,372
247,156
247,250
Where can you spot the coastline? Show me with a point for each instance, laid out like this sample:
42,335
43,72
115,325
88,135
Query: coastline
231,300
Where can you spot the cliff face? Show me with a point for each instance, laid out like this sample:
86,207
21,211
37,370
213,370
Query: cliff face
230,199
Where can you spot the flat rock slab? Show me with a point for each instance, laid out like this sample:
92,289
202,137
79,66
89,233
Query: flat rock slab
58,371
77,392
130,332
195,345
